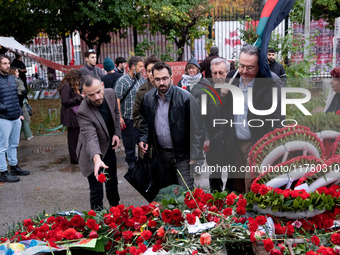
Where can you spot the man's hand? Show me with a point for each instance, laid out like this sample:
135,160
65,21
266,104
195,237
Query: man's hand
21,117
115,142
143,146
122,123
224,92
192,162
98,163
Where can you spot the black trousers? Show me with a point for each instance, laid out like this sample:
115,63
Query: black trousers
130,139
72,140
111,185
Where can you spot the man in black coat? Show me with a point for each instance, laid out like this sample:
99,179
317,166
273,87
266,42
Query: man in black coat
250,126
275,66
167,125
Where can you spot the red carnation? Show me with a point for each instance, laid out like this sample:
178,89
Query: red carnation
268,244
141,248
252,237
195,252
137,212
166,216
335,238
160,232
261,220
91,223
264,189
156,247
93,234
191,218
255,187
176,214
92,213
69,234
127,234
227,211
311,253
205,238
142,219
102,178
152,224
146,234
275,252
241,210
77,221
315,240
115,211
253,225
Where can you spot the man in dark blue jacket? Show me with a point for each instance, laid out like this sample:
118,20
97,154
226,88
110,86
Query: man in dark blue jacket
10,122
167,125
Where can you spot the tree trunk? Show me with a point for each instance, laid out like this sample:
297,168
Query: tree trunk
180,46
98,50
65,50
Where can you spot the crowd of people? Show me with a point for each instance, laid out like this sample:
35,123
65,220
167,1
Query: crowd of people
153,117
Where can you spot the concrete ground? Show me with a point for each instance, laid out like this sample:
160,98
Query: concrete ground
54,185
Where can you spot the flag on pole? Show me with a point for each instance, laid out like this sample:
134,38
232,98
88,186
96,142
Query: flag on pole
274,11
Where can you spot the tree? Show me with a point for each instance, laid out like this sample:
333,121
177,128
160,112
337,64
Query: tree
181,21
321,9
93,19
17,19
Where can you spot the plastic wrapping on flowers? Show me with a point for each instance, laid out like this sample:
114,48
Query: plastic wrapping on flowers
190,223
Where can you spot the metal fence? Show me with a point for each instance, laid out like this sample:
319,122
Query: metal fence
224,29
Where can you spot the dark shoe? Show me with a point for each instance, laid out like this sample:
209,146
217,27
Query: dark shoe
7,177
16,170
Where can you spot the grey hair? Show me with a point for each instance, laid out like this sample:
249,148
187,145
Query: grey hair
217,61
250,50
87,80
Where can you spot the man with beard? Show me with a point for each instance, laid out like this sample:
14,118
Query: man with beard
98,119
90,65
165,127
276,67
10,122
126,88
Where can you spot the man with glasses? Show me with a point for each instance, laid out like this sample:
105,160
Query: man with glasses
216,138
126,89
166,127
90,65
249,127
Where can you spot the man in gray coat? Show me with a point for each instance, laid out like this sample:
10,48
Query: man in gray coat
98,118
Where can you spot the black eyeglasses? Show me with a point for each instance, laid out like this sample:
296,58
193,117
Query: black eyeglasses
164,79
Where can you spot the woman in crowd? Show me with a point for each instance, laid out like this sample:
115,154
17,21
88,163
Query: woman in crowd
333,99
70,101
192,79
22,93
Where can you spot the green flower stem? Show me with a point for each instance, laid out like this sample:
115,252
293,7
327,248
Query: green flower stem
191,194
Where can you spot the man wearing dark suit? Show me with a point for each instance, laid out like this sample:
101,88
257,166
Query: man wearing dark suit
245,135
98,118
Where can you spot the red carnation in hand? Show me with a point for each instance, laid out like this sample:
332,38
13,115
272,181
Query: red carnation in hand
315,240
337,112
268,244
102,178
